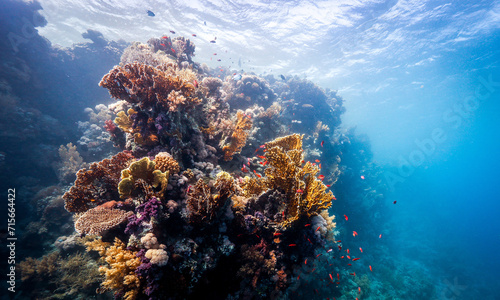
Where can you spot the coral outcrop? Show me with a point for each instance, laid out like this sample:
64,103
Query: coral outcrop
98,220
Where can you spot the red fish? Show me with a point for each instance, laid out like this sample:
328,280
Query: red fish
362,177
307,225
317,160
353,274
321,177
371,270
349,264
262,146
394,202
164,37
329,186
357,258
305,262
299,191
172,50
346,218
333,197
348,256
277,234
318,228
331,277
195,83
292,245
319,166
261,157
348,252
215,53
380,236
354,233
322,143
318,255
163,45
360,249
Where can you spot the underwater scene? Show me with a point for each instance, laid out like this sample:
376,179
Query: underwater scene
250,149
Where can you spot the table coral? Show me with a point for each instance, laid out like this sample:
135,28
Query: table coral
97,184
98,220
239,136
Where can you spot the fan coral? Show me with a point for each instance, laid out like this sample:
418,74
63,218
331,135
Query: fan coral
98,220
97,184
120,272
239,136
124,121
202,205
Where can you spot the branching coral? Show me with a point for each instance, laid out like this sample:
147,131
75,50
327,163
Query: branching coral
120,270
203,205
98,220
71,162
97,184
124,120
148,86
239,136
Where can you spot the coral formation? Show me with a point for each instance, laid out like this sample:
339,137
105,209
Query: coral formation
239,136
98,220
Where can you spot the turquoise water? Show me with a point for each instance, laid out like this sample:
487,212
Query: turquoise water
420,80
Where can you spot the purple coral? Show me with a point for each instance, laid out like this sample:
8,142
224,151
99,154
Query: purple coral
146,211
150,273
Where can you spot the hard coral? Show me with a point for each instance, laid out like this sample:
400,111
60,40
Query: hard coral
98,220
139,173
165,162
97,184
239,136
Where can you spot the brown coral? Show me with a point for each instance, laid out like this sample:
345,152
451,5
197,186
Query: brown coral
97,184
165,162
148,86
98,220
239,136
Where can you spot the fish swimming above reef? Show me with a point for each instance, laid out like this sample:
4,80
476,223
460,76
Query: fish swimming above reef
282,77
307,105
237,77
150,13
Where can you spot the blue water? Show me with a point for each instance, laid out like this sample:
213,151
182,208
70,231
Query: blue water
420,78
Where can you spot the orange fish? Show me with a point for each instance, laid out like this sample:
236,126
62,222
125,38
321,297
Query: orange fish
354,233
307,225
292,245
331,277
371,270
305,262
359,290
172,50
348,252
300,191
261,157
318,228
357,258
258,175
361,249
362,177
346,218
277,234
319,166
380,236
348,257
317,160
333,197
321,177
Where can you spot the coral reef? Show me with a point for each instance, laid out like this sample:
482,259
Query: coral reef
239,136
98,220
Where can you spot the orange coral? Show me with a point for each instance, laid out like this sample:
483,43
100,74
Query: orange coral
97,184
239,136
165,162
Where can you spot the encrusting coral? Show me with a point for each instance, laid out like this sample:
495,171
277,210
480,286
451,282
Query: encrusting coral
98,220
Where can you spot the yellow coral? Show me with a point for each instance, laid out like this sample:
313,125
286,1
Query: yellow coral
239,136
142,171
123,121
120,272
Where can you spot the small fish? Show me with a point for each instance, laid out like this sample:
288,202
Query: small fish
305,262
172,32
194,35
357,258
212,41
150,13
359,290
349,264
329,186
317,160
237,77
307,225
317,228
188,189
261,157
195,83
331,277
329,250
353,274
299,191
292,245
92,200
173,50
361,249
338,276
394,202
318,255
282,77
219,59
321,177
348,256
371,270
380,236
348,252
346,218
322,143
354,233
319,166
215,53
362,177
277,234
163,45
307,105
262,146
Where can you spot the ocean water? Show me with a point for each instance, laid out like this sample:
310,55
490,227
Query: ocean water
420,83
